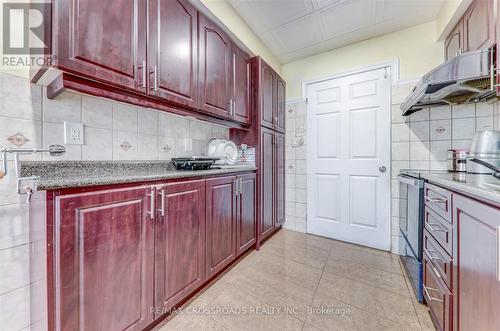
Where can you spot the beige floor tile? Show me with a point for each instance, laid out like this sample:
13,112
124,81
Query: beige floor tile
278,268
423,316
302,240
183,322
388,263
369,250
385,304
309,255
368,275
345,317
279,293
237,310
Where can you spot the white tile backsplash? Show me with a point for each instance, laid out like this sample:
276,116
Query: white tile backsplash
65,107
98,144
97,113
125,117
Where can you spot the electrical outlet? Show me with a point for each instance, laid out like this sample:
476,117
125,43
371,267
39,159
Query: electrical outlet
188,145
73,133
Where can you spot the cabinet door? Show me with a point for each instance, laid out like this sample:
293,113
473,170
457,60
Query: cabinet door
241,86
221,223
279,117
453,45
477,262
180,242
267,92
479,25
279,170
246,219
102,40
267,182
214,62
172,51
104,260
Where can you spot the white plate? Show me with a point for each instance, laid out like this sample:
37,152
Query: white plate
230,152
212,146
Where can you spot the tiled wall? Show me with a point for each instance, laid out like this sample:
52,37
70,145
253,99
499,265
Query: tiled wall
296,182
421,141
112,131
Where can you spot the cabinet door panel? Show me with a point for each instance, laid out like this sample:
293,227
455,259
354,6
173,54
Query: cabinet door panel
180,242
245,236
267,183
241,86
476,255
214,50
280,105
173,51
221,223
102,40
279,170
104,260
454,43
479,25
267,90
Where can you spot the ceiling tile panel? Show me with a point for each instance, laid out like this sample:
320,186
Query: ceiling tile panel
277,12
346,17
297,34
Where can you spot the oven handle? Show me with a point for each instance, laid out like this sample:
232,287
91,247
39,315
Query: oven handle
410,181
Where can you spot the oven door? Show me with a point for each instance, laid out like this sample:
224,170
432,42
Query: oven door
411,212
413,267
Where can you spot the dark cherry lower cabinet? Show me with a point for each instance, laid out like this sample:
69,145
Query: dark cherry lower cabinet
477,261
123,257
104,258
230,218
221,223
179,241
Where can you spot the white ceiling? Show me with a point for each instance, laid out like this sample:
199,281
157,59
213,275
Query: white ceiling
294,29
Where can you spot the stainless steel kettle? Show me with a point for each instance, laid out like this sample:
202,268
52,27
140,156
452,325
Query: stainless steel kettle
485,147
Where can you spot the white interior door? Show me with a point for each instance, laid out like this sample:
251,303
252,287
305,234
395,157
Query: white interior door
348,158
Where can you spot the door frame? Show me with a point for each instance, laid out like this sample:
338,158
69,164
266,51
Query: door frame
392,68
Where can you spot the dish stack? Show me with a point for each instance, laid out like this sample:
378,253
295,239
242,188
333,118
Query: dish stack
225,150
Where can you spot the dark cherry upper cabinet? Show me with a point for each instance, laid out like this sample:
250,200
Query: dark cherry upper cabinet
267,180
454,43
172,51
214,49
279,119
221,223
104,260
476,258
246,212
180,241
279,170
102,40
479,25
240,86
267,93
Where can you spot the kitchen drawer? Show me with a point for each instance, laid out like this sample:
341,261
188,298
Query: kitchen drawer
438,297
439,258
439,200
441,230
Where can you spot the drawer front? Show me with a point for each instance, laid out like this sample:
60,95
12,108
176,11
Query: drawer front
439,229
439,258
438,297
439,200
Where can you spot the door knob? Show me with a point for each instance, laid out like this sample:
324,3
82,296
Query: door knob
382,169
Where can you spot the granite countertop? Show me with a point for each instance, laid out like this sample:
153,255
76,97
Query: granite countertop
484,187
66,174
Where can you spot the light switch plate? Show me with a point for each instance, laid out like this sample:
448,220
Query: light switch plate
73,133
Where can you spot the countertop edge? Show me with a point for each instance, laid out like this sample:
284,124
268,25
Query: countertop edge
56,184
468,190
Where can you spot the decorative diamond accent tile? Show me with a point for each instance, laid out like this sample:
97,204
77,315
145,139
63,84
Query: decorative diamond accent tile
167,148
126,145
18,139
440,129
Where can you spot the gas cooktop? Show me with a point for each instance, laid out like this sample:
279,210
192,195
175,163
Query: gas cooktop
194,162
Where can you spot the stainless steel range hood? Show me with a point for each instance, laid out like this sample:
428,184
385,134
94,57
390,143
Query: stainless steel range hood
464,78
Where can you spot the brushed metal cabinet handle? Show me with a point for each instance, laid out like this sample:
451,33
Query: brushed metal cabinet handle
151,196
436,227
155,78
162,202
235,186
426,290
435,200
